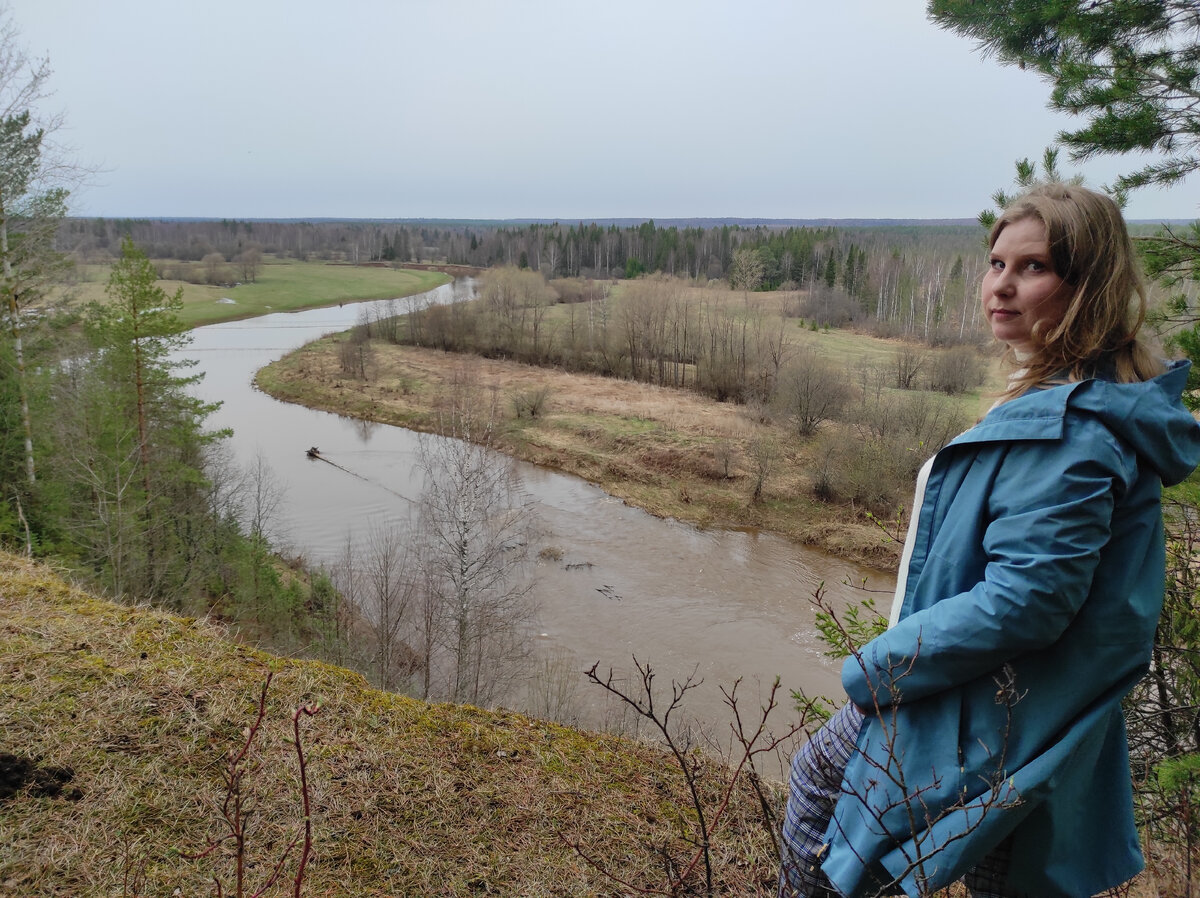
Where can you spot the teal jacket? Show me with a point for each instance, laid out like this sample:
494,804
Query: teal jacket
1032,598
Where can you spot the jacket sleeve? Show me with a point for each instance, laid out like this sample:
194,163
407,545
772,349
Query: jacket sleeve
1049,514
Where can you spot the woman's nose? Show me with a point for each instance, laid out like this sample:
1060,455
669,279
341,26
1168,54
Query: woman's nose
1002,283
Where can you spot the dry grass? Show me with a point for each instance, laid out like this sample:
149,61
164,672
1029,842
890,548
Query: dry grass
136,709
127,715
655,447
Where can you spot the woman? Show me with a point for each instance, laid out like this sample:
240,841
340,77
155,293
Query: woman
984,733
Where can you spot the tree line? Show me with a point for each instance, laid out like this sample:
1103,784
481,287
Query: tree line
917,281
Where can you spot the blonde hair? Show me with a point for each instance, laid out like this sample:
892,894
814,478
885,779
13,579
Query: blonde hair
1091,251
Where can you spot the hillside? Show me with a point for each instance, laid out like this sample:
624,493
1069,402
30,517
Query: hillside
118,724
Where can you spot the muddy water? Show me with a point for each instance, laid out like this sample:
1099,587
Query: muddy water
722,604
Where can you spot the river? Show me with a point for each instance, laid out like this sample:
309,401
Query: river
722,603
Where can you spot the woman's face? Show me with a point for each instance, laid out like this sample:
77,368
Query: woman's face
1020,287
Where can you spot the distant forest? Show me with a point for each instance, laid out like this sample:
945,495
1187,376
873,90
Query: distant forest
912,279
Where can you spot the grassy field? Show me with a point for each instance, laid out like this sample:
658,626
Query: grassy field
118,726
282,286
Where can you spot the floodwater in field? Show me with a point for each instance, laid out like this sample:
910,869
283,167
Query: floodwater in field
720,604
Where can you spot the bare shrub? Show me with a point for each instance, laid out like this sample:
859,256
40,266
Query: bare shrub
869,472
764,456
758,411
574,290
551,693
910,359
956,370
929,423
530,403
354,352
892,435
723,456
875,415
825,474
693,865
237,808
811,391
829,307
872,377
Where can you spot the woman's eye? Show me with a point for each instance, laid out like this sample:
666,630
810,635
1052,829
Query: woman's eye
996,264
1035,265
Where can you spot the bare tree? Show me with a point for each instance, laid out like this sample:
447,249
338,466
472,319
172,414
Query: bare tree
214,265
388,579
248,262
910,360
260,495
355,352
746,270
476,525
347,584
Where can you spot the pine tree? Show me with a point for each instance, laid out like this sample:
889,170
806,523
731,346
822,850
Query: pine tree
831,268
1130,67
143,470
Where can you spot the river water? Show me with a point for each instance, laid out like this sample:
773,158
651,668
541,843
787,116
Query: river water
725,604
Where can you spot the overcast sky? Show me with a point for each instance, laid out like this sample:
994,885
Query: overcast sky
539,108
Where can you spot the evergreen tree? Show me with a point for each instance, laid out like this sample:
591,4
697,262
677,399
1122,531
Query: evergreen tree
1130,67
141,473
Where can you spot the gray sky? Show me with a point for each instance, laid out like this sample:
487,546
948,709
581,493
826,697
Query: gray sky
539,108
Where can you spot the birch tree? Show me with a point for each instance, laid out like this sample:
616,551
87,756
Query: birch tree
476,526
30,206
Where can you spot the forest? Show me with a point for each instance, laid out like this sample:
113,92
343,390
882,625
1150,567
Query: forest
915,280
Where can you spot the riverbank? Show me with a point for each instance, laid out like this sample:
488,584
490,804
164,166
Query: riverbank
670,452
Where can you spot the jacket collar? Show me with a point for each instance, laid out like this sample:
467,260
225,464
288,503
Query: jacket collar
1036,415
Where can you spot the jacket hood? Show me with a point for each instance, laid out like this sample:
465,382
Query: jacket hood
1147,416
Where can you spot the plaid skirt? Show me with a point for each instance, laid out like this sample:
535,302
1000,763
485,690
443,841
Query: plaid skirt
813,789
